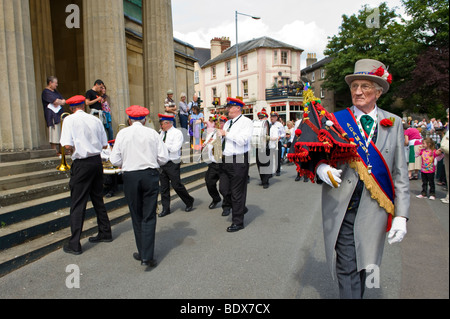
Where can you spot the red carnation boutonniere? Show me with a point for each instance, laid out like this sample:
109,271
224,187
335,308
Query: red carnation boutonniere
387,122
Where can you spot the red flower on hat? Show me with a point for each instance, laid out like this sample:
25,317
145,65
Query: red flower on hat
386,123
298,132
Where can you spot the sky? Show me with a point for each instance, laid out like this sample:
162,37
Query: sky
304,24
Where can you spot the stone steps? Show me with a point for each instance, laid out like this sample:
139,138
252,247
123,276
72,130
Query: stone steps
35,207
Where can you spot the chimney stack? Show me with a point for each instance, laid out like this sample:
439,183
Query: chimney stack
218,45
311,59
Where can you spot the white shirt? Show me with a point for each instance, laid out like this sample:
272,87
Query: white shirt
238,138
280,127
358,113
174,142
85,133
274,137
138,148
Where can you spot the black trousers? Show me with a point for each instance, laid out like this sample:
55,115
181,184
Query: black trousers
428,179
171,175
264,163
211,178
87,181
141,189
233,185
278,157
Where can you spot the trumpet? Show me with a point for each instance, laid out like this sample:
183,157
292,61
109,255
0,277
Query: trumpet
63,167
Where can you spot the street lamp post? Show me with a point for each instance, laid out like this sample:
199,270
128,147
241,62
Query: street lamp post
237,47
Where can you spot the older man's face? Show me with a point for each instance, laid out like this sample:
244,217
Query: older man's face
364,95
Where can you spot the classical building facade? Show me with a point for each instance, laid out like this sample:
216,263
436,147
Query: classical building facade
269,76
128,44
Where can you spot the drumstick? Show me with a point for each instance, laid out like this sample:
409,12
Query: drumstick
330,175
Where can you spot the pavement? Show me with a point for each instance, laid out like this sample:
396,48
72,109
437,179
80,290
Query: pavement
279,254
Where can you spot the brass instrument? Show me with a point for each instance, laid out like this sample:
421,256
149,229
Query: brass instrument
121,126
216,141
63,167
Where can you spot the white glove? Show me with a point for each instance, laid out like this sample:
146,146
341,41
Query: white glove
398,230
329,175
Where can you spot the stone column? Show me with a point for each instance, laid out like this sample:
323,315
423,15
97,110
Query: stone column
159,57
44,57
105,53
18,107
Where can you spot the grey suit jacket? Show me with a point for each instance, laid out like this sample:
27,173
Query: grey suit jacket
371,221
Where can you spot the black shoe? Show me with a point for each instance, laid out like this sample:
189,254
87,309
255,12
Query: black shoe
234,228
278,174
266,186
164,213
109,194
149,263
213,204
297,179
69,250
190,207
245,210
99,239
226,212
137,256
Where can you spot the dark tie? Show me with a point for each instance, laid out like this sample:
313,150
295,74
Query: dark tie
165,136
225,140
367,123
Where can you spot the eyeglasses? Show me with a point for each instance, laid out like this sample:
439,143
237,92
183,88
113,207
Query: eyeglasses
364,87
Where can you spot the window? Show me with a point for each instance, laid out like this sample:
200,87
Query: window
313,77
244,63
213,72
228,90
275,57
284,57
228,67
214,92
196,77
245,88
322,73
322,93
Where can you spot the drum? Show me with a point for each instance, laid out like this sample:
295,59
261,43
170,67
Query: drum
260,130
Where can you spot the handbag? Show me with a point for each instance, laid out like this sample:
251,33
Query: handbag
444,143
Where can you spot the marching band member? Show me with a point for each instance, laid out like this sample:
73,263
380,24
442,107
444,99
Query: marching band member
237,134
265,155
140,153
281,133
213,173
170,174
85,136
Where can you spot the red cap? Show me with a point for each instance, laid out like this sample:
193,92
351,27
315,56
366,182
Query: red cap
166,117
76,100
233,101
136,112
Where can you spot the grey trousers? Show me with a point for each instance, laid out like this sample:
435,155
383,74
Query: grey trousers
351,282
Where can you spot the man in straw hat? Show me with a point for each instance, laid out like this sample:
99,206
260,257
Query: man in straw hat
367,193
84,135
140,153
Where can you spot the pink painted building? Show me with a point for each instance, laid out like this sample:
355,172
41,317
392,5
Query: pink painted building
269,76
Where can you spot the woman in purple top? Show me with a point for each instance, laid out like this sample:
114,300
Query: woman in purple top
52,102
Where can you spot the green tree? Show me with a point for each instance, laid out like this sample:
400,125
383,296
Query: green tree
361,38
426,89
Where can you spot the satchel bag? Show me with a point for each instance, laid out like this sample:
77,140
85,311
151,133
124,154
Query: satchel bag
444,143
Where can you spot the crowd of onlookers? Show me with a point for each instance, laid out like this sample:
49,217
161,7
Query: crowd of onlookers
425,156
